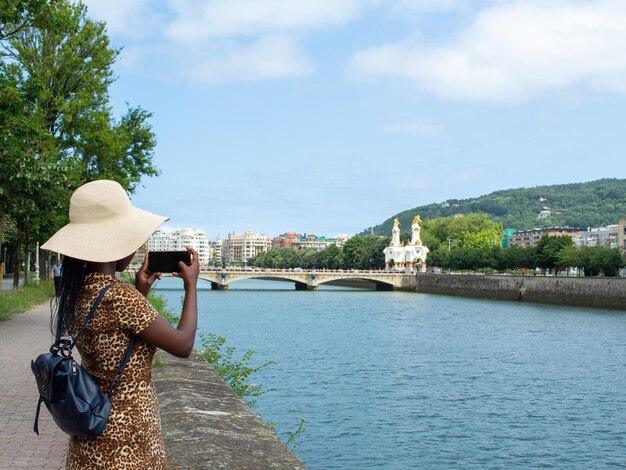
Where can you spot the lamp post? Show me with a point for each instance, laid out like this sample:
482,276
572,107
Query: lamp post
36,275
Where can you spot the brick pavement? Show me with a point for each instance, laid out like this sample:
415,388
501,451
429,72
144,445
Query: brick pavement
21,340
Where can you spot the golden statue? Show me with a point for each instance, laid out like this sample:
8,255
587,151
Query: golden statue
417,219
396,223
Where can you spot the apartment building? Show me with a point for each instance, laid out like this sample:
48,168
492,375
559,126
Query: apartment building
600,236
238,249
527,238
180,240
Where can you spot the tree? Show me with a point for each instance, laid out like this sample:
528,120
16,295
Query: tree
593,260
472,230
68,72
30,180
354,252
58,126
549,248
17,15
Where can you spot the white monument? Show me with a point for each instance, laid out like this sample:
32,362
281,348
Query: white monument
410,258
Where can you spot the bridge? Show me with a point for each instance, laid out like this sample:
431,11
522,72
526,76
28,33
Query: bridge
310,279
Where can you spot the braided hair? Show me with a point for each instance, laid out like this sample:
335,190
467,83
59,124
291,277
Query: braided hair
62,305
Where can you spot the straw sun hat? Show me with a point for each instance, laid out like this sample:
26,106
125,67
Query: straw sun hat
104,226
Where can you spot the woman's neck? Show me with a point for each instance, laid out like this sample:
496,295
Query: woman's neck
104,268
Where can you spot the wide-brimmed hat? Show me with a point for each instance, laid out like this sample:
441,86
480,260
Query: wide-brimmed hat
104,226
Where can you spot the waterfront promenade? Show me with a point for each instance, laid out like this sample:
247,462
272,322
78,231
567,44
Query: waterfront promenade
22,339
224,432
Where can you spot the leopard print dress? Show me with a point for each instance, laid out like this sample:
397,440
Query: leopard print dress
132,439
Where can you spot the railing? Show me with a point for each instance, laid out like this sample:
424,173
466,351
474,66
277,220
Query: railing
297,271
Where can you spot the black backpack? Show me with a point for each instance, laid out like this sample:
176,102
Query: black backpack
68,391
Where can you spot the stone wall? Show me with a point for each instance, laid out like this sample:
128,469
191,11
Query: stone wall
590,292
207,426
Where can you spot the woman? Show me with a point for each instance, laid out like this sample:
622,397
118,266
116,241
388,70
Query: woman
104,233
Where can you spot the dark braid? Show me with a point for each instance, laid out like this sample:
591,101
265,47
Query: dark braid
73,273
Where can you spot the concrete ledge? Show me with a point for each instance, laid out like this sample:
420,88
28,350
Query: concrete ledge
206,425
606,292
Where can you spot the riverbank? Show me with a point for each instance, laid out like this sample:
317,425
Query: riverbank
206,425
584,292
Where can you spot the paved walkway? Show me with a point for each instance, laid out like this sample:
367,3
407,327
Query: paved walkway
22,339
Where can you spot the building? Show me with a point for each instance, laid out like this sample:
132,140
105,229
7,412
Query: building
341,239
601,236
180,240
305,242
621,233
238,249
312,242
528,238
508,233
216,252
410,258
285,240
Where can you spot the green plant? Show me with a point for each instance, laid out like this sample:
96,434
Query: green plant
235,372
158,362
160,304
295,436
24,298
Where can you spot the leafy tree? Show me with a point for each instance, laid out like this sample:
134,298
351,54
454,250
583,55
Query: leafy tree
354,252
549,248
30,180
56,121
593,260
474,230
18,15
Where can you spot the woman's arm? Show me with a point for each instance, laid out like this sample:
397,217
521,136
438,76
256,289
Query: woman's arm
160,333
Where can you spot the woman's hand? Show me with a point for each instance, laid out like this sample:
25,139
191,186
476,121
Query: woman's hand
189,274
178,341
144,278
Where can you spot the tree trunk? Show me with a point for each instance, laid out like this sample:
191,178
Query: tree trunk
16,263
27,262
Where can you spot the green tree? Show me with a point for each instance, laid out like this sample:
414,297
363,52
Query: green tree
30,179
472,230
548,251
354,252
56,122
18,15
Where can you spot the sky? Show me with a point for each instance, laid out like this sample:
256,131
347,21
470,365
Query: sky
329,116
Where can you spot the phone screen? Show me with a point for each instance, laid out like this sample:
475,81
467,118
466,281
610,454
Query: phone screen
167,261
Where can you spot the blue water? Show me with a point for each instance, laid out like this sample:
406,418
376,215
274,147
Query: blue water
396,380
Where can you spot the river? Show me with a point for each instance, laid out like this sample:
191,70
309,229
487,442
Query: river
400,380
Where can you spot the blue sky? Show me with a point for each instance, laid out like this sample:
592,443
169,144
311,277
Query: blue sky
328,116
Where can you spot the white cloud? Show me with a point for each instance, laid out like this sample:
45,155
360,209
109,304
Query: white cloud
128,17
199,19
430,5
222,40
513,52
269,57
416,128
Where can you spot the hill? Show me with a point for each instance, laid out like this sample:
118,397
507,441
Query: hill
579,205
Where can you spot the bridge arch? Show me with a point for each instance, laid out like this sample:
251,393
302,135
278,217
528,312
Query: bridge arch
307,280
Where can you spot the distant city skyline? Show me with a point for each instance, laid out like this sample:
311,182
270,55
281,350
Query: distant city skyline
329,116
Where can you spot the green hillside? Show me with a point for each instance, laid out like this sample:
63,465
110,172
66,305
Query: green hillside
579,205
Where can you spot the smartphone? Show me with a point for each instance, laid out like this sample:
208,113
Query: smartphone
167,261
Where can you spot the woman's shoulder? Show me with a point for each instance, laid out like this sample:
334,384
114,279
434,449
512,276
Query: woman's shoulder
125,291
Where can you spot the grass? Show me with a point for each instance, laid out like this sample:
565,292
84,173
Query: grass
24,298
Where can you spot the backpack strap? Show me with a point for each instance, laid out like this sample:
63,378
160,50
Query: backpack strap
36,425
120,369
91,312
129,348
